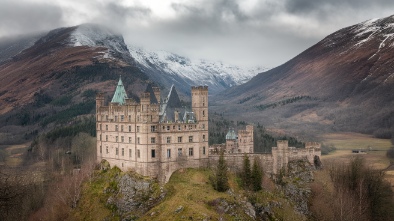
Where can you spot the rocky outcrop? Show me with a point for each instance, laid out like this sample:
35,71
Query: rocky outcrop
294,184
134,196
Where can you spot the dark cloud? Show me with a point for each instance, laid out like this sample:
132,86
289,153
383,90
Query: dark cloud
267,33
24,17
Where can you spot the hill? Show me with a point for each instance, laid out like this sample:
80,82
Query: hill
344,82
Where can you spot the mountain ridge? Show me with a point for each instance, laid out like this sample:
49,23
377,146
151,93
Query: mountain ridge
348,74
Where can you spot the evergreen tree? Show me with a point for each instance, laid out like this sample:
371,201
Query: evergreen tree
246,173
221,181
257,175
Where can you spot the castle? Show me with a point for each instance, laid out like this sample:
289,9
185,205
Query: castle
155,137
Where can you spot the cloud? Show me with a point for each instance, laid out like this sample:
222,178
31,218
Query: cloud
261,32
19,17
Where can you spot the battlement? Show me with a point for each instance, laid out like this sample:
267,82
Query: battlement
145,95
315,145
100,95
282,144
200,88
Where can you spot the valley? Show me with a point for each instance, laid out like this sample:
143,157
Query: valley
339,92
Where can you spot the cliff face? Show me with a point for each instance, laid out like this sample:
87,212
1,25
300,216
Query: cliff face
345,82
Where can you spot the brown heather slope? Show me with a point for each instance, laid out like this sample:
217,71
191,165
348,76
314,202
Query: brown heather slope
51,64
344,82
53,81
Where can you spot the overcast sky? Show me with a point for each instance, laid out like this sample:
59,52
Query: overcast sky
242,32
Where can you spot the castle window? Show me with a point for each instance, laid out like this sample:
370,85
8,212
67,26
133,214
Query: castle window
168,127
179,139
129,118
129,128
203,112
203,104
106,150
121,128
203,126
100,126
168,139
191,151
129,152
179,152
138,128
152,140
116,140
138,140
117,151
173,127
116,118
122,151
129,139
164,127
100,149
203,137
190,127
152,128
179,127
138,118
122,118
153,153
106,127
100,136
203,150
106,117
190,139
168,153
116,127
106,137
138,154
122,138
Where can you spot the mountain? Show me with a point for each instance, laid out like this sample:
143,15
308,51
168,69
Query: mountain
56,78
43,76
344,82
169,68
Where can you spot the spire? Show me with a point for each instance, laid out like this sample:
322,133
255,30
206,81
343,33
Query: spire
120,95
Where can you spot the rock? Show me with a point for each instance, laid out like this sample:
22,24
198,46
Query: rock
179,209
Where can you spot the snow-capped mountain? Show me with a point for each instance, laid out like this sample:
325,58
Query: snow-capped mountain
348,76
92,35
169,68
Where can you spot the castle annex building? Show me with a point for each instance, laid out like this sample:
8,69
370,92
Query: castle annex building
155,136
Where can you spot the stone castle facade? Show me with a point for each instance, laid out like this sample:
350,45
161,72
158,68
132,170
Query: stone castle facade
157,136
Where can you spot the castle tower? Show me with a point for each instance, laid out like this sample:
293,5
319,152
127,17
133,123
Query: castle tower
99,101
156,91
200,109
200,102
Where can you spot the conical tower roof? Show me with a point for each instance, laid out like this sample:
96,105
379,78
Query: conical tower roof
120,95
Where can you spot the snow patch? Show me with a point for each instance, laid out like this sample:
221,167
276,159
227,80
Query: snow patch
202,71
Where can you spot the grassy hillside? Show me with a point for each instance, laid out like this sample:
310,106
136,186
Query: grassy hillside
188,195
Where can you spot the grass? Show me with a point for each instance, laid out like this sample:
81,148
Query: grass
190,190
92,205
14,154
349,141
345,142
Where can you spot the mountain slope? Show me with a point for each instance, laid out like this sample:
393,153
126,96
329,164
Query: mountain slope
56,79
169,68
345,81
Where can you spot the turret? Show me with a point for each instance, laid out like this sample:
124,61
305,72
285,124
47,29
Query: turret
99,101
156,92
200,102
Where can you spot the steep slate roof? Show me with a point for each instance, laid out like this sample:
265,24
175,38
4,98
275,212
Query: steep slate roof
120,95
231,135
171,104
153,99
